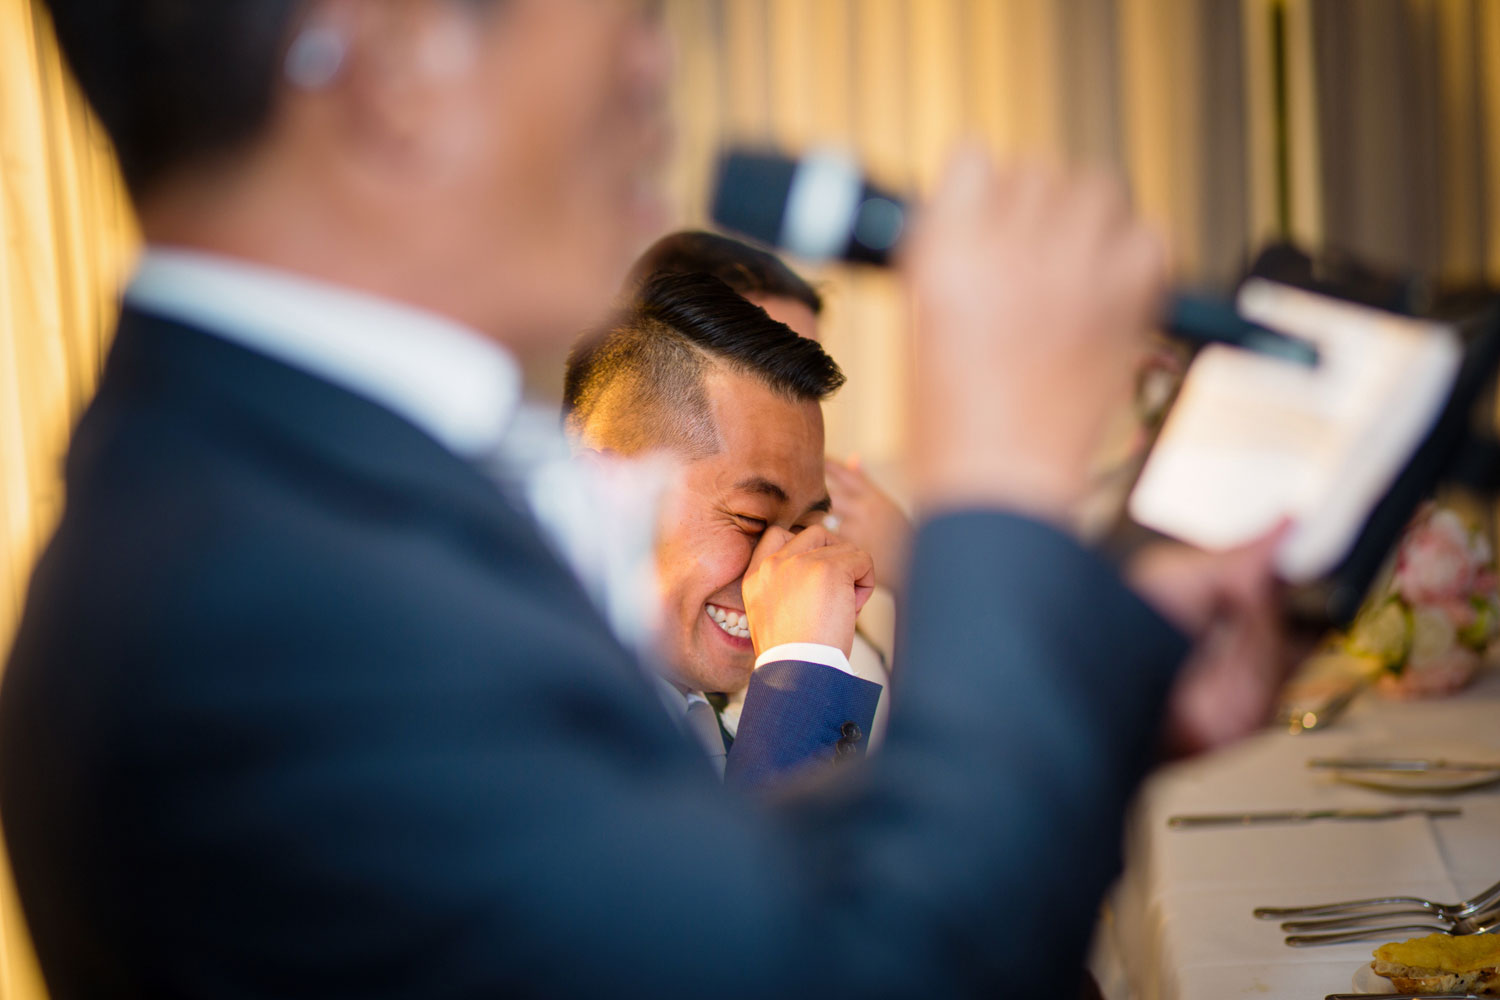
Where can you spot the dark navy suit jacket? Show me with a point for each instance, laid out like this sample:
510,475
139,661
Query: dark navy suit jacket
299,707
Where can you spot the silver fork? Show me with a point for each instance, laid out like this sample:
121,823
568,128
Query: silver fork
1437,921
1479,923
1463,908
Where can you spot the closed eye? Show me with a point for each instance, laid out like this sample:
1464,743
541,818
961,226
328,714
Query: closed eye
752,525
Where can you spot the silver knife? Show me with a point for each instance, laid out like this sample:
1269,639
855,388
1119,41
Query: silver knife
1301,816
1398,764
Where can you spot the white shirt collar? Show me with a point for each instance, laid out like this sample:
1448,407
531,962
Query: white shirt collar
675,698
452,382
679,704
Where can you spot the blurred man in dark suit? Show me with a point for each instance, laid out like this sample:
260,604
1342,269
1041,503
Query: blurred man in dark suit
303,705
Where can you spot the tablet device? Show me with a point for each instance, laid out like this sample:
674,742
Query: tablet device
1345,452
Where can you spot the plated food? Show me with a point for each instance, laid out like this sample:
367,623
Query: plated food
1439,963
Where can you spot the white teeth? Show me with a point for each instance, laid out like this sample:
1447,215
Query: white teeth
735,623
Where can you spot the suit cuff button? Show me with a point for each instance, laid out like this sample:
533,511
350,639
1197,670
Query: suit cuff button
849,737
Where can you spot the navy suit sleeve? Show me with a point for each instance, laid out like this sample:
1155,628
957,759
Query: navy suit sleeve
798,715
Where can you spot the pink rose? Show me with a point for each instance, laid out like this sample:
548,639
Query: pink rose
1437,563
1433,676
1460,612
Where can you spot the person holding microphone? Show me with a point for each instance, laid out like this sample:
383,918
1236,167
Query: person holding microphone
303,705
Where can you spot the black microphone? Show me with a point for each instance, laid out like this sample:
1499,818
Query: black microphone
822,207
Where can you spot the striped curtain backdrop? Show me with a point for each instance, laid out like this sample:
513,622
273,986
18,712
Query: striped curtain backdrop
66,239
1161,90
1407,149
1370,126
67,243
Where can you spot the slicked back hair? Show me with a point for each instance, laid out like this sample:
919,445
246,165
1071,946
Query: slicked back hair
175,81
747,269
640,385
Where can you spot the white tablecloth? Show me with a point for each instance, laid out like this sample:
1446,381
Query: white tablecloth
1179,926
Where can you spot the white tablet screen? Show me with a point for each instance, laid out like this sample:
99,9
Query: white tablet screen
1254,440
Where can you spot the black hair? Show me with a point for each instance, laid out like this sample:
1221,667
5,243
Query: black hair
747,269
643,379
175,81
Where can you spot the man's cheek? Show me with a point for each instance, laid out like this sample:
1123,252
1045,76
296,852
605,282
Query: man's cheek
725,565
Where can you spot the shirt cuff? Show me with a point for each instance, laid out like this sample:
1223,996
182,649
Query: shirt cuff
807,652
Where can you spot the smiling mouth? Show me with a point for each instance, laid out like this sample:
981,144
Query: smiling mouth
735,623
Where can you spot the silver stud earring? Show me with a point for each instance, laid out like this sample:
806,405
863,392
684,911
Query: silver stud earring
315,57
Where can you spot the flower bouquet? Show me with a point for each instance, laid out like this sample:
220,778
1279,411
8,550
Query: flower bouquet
1432,623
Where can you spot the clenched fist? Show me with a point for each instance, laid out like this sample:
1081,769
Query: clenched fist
807,587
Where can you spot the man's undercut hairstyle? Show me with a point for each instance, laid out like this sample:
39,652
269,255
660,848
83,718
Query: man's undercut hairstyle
641,385
175,82
747,269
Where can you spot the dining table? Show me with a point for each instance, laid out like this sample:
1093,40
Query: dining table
1179,924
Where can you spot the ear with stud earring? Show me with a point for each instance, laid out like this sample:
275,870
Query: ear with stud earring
316,56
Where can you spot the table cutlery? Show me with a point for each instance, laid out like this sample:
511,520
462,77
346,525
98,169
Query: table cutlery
1398,764
1405,996
1301,816
1481,923
1462,908
1322,716
1366,918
